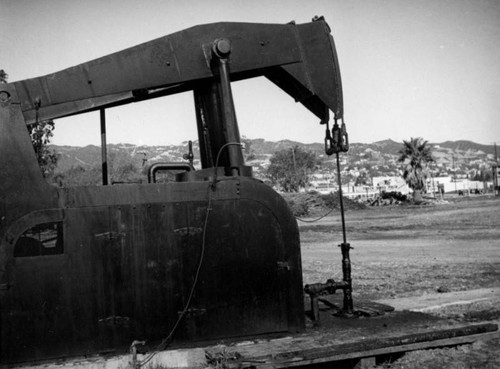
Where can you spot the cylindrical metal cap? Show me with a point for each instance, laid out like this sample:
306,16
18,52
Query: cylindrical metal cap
222,47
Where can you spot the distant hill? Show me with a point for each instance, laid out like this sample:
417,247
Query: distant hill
464,155
387,146
468,145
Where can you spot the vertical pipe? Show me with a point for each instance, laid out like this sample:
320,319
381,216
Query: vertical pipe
341,200
345,247
233,134
496,188
221,49
104,155
209,123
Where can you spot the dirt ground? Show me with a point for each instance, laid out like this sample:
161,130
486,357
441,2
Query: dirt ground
445,255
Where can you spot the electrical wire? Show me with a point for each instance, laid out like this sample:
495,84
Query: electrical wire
214,181
166,341
314,220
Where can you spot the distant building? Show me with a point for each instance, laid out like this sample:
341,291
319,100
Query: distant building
452,184
391,184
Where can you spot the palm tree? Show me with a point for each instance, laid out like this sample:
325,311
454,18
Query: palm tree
415,155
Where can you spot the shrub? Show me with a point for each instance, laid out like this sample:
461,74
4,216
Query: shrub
314,203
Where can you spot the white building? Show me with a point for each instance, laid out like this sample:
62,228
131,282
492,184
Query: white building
456,184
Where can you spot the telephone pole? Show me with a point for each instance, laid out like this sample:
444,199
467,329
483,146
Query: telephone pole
454,173
496,187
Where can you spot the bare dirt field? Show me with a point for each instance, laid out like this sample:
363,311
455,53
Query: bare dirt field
442,257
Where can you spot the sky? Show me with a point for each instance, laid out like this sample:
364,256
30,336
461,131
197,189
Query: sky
426,68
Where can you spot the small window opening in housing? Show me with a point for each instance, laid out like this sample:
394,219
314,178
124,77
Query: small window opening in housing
40,240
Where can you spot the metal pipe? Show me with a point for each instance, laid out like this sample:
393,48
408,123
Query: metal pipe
166,166
221,49
104,155
345,247
316,289
341,200
346,272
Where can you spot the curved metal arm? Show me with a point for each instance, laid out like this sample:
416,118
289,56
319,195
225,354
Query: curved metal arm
300,59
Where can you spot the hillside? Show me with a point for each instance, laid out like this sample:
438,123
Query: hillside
377,159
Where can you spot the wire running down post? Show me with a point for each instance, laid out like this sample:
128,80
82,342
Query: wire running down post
336,141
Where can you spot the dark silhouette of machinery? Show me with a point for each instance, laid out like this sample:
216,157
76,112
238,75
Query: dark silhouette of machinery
214,254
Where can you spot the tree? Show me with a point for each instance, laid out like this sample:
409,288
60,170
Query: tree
78,176
41,133
363,179
483,175
289,168
247,149
415,156
3,76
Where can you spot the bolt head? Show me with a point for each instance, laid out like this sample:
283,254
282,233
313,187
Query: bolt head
222,47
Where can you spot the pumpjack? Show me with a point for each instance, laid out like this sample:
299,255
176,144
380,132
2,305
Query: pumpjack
213,255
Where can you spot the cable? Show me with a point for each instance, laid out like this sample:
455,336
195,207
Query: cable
214,181
314,220
166,341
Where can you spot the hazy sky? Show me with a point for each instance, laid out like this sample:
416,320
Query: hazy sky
426,68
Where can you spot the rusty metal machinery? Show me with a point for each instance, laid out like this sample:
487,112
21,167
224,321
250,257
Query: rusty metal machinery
89,269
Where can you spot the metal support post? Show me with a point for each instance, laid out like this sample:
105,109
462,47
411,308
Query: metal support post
221,50
104,155
345,247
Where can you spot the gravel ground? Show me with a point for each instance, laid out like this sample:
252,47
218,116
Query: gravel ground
416,254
